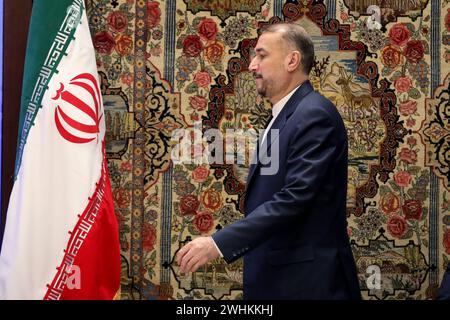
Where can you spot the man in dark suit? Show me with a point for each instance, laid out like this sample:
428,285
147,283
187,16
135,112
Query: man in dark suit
444,289
294,235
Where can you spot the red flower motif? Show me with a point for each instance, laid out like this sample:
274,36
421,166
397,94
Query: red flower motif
411,141
229,115
408,156
446,241
408,108
148,237
349,232
117,21
397,226
200,174
192,46
127,79
155,51
104,42
214,52
204,222
197,103
390,203
120,220
124,45
124,245
391,56
410,122
207,29
412,209
414,51
399,34
153,14
403,84
126,166
402,178
189,205
447,20
202,79
121,198
212,199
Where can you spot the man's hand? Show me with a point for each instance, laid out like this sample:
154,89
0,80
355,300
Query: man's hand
196,253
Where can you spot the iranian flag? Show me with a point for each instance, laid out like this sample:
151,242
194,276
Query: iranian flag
61,239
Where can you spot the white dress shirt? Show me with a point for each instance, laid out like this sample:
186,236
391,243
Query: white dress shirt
276,109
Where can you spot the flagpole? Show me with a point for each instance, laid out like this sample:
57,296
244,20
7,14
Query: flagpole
1,118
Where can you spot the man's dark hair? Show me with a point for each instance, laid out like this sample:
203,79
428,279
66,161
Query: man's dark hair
297,36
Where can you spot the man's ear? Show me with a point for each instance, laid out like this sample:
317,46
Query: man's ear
294,60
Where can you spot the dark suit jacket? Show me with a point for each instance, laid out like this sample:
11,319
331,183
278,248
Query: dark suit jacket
294,235
444,290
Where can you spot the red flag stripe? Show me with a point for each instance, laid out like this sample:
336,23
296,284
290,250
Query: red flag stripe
94,248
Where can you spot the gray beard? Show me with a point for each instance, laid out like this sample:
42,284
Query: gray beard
262,92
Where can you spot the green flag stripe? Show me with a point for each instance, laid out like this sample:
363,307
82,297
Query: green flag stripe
46,31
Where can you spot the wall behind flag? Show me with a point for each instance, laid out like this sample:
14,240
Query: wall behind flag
14,45
1,104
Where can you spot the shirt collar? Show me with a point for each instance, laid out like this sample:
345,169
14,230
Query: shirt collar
277,107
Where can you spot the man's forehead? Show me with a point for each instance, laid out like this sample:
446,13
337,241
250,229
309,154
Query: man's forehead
268,40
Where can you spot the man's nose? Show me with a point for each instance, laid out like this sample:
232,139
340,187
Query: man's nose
253,65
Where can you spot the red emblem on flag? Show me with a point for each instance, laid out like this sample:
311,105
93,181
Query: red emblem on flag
88,83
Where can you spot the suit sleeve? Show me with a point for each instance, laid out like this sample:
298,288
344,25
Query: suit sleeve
312,149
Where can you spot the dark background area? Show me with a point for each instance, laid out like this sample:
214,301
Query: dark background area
15,28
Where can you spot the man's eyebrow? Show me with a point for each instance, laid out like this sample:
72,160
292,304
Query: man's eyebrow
260,50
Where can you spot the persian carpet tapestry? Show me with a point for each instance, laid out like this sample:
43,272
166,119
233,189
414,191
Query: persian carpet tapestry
182,64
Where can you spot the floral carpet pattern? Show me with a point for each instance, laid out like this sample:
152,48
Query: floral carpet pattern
182,64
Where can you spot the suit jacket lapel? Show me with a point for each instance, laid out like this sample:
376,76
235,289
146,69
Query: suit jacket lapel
280,122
